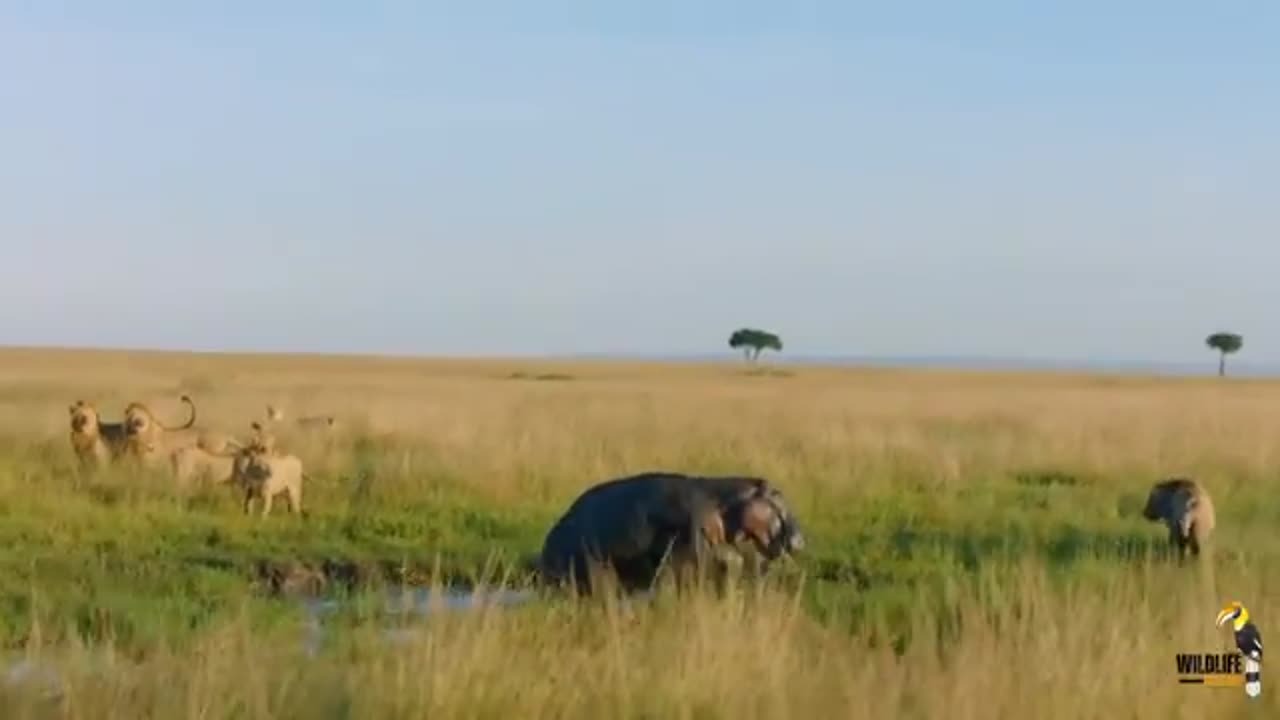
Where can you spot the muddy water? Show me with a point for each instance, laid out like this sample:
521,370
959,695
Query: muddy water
423,601
409,601
46,677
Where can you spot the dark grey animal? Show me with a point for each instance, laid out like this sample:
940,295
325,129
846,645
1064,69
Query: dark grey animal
1184,506
638,524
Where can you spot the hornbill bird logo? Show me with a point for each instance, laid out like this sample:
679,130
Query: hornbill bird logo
1249,641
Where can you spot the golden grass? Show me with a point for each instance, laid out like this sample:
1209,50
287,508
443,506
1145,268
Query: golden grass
830,429
1102,651
1021,635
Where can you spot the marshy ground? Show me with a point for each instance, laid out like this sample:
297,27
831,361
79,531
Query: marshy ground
975,544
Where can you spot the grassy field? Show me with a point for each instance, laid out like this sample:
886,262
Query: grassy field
975,544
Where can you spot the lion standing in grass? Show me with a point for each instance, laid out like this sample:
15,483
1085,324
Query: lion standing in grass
1185,507
265,474
94,441
194,462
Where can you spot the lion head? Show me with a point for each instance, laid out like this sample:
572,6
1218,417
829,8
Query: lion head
84,418
261,441
91,438
141,422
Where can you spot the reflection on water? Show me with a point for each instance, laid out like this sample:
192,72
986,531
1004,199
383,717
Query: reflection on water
409,601
422,601
44,676
35,674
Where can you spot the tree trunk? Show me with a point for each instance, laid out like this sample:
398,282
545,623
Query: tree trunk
1222,364
746,354
755,357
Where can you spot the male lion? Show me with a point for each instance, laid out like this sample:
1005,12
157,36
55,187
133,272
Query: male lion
94,441
1185,507
152,441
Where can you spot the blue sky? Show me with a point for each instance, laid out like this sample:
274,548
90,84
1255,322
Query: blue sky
1058,180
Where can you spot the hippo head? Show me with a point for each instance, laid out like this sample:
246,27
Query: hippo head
764,516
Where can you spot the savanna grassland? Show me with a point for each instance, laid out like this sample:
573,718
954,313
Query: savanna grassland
975,548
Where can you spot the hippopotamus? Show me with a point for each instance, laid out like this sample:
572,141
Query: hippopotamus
637,524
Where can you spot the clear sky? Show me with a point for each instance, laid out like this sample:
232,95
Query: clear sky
1054,179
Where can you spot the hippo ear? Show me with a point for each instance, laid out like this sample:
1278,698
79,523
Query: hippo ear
756,488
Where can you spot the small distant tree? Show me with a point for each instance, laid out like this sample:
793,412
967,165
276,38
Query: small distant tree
1225,343
751,341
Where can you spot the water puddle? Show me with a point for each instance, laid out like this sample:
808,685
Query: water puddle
47,678
411,601
34,674
423,601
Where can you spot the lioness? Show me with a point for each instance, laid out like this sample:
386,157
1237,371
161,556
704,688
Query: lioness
1185,507
264,474
262,438
310,422
191,462
94,441
152,441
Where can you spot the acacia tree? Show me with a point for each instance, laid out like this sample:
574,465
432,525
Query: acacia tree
1225,343
751,341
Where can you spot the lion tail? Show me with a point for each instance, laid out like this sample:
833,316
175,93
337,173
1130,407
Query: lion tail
192,419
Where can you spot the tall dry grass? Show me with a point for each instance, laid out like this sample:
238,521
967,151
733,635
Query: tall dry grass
1012,646
973,540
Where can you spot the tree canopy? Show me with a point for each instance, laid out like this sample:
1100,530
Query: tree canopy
1225,343
751,341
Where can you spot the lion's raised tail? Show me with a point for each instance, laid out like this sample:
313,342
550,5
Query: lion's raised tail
190,421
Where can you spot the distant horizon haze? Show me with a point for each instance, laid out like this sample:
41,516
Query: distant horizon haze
1105,366
1069,182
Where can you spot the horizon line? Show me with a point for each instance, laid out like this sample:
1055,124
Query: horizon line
887,361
